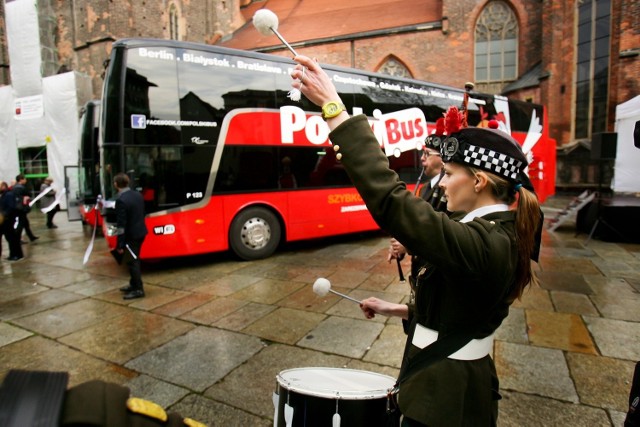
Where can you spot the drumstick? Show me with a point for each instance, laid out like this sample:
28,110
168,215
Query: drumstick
266,22
322,286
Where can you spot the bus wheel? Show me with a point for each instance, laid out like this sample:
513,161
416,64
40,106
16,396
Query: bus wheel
254,234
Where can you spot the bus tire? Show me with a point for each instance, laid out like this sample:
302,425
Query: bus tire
254,234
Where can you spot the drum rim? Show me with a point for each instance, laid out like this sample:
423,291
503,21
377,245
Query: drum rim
348,395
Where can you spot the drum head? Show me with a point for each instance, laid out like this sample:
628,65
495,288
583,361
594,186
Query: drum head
330,383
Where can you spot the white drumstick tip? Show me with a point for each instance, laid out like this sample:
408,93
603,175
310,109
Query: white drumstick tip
265,21
321,286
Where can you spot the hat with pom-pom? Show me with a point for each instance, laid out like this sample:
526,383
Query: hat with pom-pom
490,149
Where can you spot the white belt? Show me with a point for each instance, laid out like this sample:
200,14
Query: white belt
475,349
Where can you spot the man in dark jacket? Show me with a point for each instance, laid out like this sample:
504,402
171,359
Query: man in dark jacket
22,208
8,215
131,232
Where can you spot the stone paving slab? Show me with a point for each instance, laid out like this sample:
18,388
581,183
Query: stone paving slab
71,317
212,311
384,350
197,359
559,330
602,381
519,410
213,413
284,325
563,281
245,316
534,370
10,334
623,303
608,334
343,336
513,328
634,283
535,298
268,291
42,354
36,302
157,296
569,265
568,302
14,288
183,305
157,391
227,285
95,285
125,337
306,299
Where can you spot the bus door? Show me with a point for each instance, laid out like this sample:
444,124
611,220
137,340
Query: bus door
72,186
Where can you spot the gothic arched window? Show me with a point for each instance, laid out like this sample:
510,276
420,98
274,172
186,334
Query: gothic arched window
496,44
174,33
393,67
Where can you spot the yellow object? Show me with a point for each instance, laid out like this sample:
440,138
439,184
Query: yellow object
193,423
146,407
332,109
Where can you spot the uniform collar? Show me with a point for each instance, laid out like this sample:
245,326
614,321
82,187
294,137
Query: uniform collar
435,180
484,210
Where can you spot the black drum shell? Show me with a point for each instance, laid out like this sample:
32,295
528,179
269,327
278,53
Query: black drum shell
314,411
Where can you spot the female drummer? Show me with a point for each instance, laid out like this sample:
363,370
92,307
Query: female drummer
479,259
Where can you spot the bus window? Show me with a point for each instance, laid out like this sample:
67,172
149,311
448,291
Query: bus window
150,93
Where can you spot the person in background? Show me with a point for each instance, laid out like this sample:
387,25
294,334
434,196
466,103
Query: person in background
48,199
131,232
478,259
23,208
8,215
432,170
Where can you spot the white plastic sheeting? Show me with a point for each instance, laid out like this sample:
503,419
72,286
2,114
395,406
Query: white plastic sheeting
23,39
8,147
63,95
626,175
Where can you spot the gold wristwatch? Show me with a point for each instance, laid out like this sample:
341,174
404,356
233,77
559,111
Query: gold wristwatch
332,109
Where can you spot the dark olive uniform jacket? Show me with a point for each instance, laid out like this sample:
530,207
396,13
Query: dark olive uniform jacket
465,286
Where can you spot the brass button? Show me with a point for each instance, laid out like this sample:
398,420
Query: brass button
339,156
336,148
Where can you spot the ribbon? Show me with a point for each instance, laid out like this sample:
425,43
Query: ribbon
40,196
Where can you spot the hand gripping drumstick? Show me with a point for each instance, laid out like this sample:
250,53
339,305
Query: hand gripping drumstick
266,22
322,287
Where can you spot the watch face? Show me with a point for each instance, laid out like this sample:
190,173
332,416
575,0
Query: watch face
332,108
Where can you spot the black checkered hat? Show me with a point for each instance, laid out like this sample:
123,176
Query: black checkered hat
487,149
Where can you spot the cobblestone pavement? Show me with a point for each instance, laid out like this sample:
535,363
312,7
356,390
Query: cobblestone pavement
213,332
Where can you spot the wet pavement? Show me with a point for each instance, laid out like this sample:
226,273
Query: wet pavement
213,332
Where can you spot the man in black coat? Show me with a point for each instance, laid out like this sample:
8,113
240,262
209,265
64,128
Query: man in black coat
8,215
22,208
131,232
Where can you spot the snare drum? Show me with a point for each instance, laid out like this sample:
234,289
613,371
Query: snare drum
332,397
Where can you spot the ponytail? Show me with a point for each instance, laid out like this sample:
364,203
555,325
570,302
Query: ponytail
527,222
